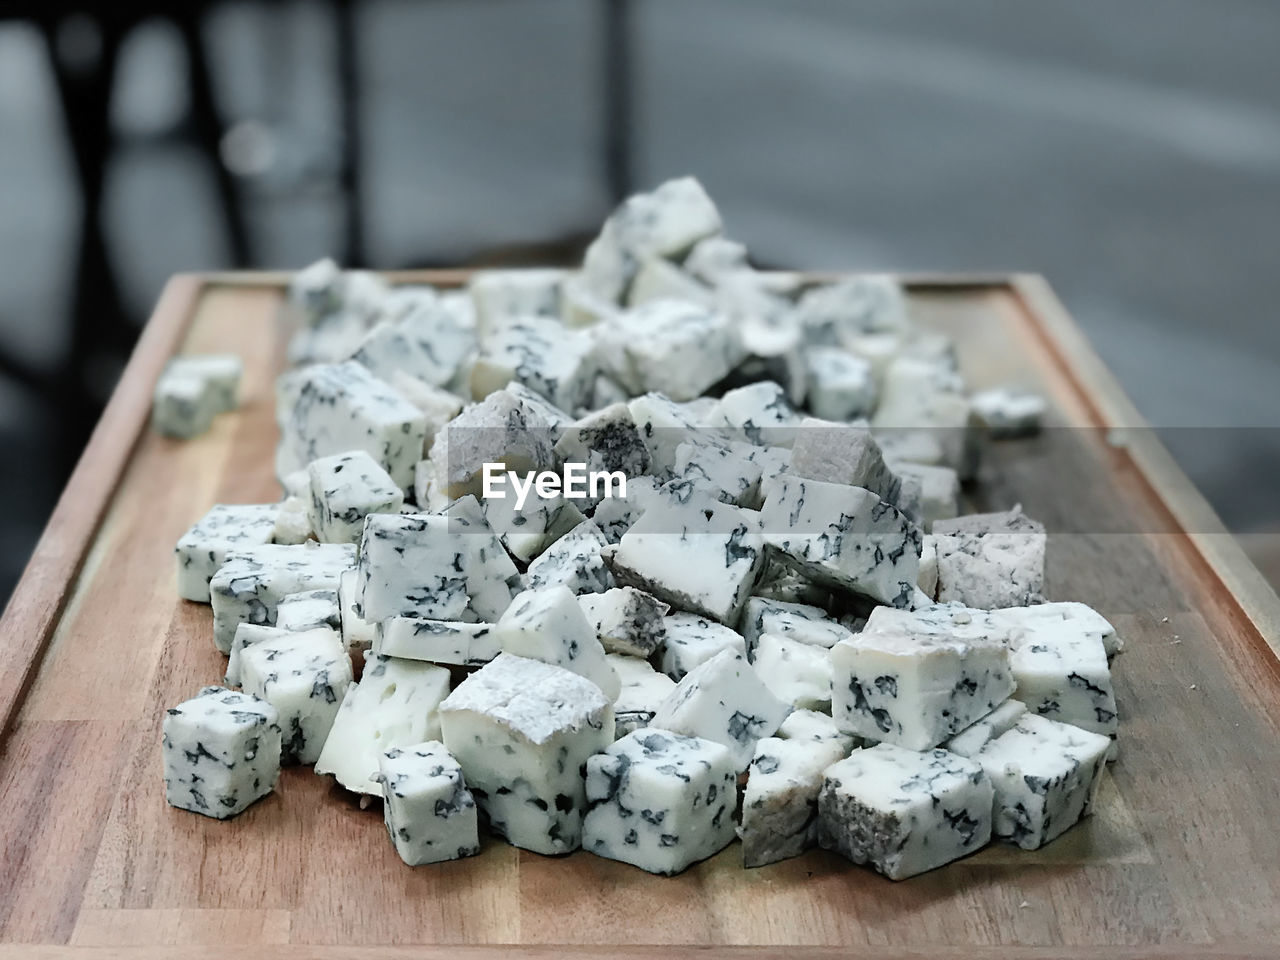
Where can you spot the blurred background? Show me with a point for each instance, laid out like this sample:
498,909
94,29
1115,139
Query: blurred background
1128,150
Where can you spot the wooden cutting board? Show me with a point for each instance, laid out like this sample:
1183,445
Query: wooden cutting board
1182,858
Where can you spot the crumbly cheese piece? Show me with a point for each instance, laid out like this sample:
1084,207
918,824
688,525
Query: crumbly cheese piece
429,812
522,730
700,555
811,726
253,580
723,700
430,342
800,622
627,620
574,561
760,413
396,703
916,691
547,624
795,673
182,406
437,405
977,735
220,372
221,752
309,609
842,386
436,641
501,295
203,548
304,676
643,688
1062,673
660,801
780,802
1009,413
842,454
927,578
904,812
1046,775
293,521
933,491
345,488
502,428
342,407
692,640
712,257
729,473
833,313
843,536
991,560
554,361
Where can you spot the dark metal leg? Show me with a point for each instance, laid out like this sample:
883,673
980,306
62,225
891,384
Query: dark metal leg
350,174
617,99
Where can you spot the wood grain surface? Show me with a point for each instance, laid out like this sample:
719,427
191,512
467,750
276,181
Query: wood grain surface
1182,859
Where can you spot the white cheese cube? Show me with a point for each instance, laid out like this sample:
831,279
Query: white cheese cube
974,737
1046,775
308,610
795,673
573,561
429,812
249,634
203,548
253,580
701,555
293,520
221,752
916,691
760,413
643,688
904,812
503,428
627,620
728,473
842,536
182,406
342,407
522,730
660,801
220,372
780,802
501,295
430,342
991,560
554,361
304,676
1081,616
1008,413
396,703
835,312
547,624
794,621
723,700
842,454
692,640
436,641
674,347
1062,673
345,488
809,725
842,386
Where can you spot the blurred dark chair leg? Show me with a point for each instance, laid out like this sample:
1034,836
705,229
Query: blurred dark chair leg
350,168
618,98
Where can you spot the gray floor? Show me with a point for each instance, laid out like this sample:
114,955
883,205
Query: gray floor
1130,151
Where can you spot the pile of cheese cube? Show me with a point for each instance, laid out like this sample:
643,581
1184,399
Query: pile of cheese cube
785,632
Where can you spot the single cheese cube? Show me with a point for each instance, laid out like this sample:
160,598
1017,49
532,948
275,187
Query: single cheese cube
436,641
664,425
643,688
358,634
1008,413
729,473
1062,673
842,454
916,691
293,520
221,752
809,725
843,536
627,620
253,580
660,801
795,673
574,561
203,548
760,413
304,676
605,440
615,515
833,313
977,735
429,812
674,347
500,295
1046,775
800,622
430,342
522,730
395,704
547,624
1084,618
991,560
528,531
923,396
503,428
723,700
250,634
220,372
780,803
345,488
842,386
659,279
182,406
934,492
308,610
904,812
554,361
692,640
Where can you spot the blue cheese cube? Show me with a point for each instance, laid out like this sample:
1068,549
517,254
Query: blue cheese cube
182,406
842,386
522,730
673,347
833,313
643,688
692,640
729,473
526,531
713,257
574,561
800,622
305,678
810,726
842,454
220,373
932,491
1008,413
795,673
615,515
503,428
904,812
1046,775
723,700
969,741
430,342
925,397
345,488
309,610
396,703
501,295
437,641
342,407
221,752
913,690
664,425
437,405
991,560
547,624
1062,673
358,634
701,555
844,537
606,440
760,413
780,802
249,634
552,360
203,548
660,801
627,620
251,583
293,520
1081,616
429,812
